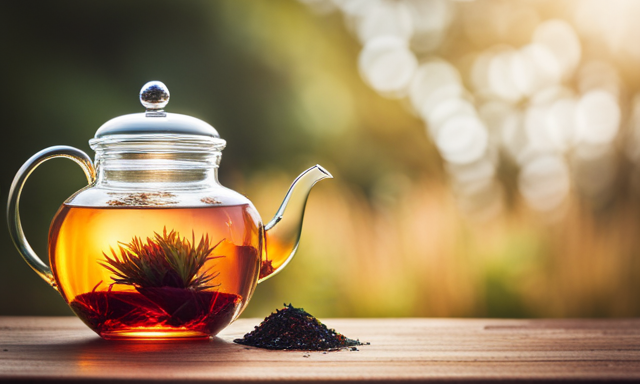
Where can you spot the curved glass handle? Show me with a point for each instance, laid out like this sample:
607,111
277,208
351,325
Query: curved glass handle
13,209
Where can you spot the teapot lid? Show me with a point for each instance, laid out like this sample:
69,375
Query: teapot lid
154,96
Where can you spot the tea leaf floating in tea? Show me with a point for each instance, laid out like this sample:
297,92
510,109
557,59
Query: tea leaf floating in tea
294,329
142,199
164,261
266,268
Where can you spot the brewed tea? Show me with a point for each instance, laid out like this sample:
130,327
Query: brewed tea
155,272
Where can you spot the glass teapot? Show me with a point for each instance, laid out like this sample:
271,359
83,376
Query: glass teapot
155,247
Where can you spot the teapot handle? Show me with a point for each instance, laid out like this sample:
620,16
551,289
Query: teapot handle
13,212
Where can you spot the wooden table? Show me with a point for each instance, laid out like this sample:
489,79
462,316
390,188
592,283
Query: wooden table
402,350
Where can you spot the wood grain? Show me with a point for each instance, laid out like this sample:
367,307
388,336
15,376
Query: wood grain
401,350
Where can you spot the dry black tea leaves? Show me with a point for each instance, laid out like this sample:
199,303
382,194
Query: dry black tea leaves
293,328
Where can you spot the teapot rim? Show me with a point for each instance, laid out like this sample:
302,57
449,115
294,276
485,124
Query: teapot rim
161,141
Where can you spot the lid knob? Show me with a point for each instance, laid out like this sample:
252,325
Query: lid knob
154,96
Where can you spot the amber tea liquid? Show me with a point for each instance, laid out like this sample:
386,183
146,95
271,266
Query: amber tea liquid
80,235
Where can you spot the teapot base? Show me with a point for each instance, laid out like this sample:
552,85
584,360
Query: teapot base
154,334
164,313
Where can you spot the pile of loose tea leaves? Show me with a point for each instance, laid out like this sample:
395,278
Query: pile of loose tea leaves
294,329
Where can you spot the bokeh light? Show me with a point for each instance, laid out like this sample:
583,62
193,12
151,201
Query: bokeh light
387,64
533,88
462,139
597,117
544,182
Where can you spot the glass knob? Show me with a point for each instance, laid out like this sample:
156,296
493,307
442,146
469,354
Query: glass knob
154,96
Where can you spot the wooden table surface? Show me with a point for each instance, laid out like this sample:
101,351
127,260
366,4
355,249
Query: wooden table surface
401,350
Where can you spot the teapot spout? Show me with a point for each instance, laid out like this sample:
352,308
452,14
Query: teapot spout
282,233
